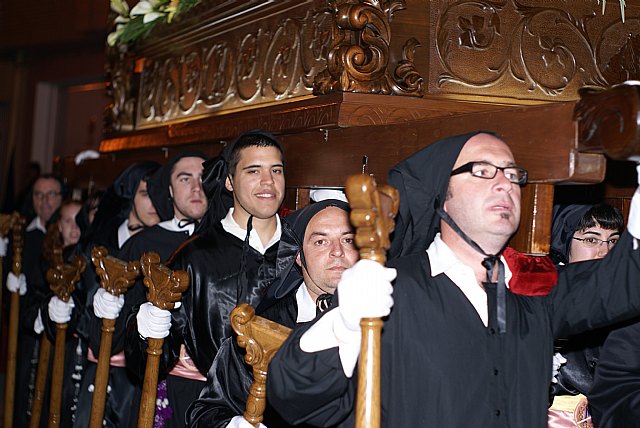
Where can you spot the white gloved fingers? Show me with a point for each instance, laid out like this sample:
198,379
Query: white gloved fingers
17,284
176,305
153,322
106,305
38,325
240,422
4,243
59,310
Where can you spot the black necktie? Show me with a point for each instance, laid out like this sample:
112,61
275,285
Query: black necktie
323,302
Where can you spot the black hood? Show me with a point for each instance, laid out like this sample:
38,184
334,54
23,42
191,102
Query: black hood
422,181
158,184
288,273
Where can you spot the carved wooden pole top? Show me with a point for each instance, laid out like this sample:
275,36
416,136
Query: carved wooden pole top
164,286
6,222
63,278
116,276
372,214
17,229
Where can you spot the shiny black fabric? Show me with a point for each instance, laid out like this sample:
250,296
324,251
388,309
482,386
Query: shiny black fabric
215,287
442,367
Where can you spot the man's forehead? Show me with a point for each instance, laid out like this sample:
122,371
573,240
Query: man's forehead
46,183
254,154
327,219
485,147
188,164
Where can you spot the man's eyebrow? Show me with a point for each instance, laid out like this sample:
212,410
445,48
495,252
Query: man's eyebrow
258,165
509,164
184,173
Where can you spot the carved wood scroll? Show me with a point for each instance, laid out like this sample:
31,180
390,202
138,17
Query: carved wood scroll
164,289
372,214
261,338
608,121
116,276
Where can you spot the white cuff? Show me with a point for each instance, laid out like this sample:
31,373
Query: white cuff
330,332
38,326
240,422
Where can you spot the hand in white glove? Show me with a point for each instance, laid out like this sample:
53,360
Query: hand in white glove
59,310
240,422
4,242
558,361
153,322
365,292
106,305
17,284
38,325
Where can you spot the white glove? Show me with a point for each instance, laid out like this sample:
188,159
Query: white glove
558,361
4,242
240,422
106,305
153,322
59,310
633,223
17,284
38,325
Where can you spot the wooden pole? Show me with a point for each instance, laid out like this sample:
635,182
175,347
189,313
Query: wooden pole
372,213
62,279
41,381
116,276
14,313
164,288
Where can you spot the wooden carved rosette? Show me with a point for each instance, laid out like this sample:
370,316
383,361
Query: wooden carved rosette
62,278
261,338
359,57
116,276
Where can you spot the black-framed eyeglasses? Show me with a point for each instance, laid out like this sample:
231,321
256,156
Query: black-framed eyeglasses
488,171
592,242
49,195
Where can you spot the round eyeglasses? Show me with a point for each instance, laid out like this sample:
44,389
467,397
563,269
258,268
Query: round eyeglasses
592,242
488,171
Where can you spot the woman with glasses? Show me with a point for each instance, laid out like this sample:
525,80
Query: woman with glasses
579,233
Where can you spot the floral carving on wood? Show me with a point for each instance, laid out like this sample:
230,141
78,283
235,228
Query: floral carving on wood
531,46
268,64
119,114
359,56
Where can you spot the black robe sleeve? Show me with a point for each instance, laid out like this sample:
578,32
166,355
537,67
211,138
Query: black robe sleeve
615,395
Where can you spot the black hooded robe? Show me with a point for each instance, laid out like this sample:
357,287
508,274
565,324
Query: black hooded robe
441,366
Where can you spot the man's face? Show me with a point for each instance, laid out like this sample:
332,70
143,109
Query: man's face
328,250
257,183
189,200
143,207
67,224
47,197
487,210
589,245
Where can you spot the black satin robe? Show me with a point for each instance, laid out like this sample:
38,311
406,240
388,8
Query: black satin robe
442,367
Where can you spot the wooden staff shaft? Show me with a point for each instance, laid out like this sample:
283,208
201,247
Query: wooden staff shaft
102,374
150,386
368,392
9,393
41,381
57,375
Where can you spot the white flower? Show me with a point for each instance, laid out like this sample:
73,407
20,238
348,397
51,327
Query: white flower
112,38
120,7
152,16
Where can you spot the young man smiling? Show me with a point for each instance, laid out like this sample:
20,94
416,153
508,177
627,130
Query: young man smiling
232,260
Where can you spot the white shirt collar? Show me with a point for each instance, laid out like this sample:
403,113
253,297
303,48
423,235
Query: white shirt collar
306,305
443,260
173,225
36,223
123,233
229,224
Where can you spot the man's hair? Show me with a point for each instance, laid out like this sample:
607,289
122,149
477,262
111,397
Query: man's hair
603,215
254,138
49,176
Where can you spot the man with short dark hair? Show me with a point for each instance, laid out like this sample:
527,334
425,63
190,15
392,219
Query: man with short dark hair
459,347
231,260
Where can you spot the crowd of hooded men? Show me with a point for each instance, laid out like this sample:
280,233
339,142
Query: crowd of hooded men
469,326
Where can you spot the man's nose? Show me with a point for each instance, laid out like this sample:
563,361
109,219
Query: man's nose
337,250
603,249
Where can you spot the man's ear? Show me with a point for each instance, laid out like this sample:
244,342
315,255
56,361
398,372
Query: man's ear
228,184
170,191
298,262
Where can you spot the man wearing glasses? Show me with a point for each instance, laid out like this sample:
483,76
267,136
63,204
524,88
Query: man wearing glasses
459,347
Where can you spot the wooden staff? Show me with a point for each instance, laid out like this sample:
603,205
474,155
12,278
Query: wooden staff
164,288
261,338
116,276
52,252
63,279
17,229
372,213
6,221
